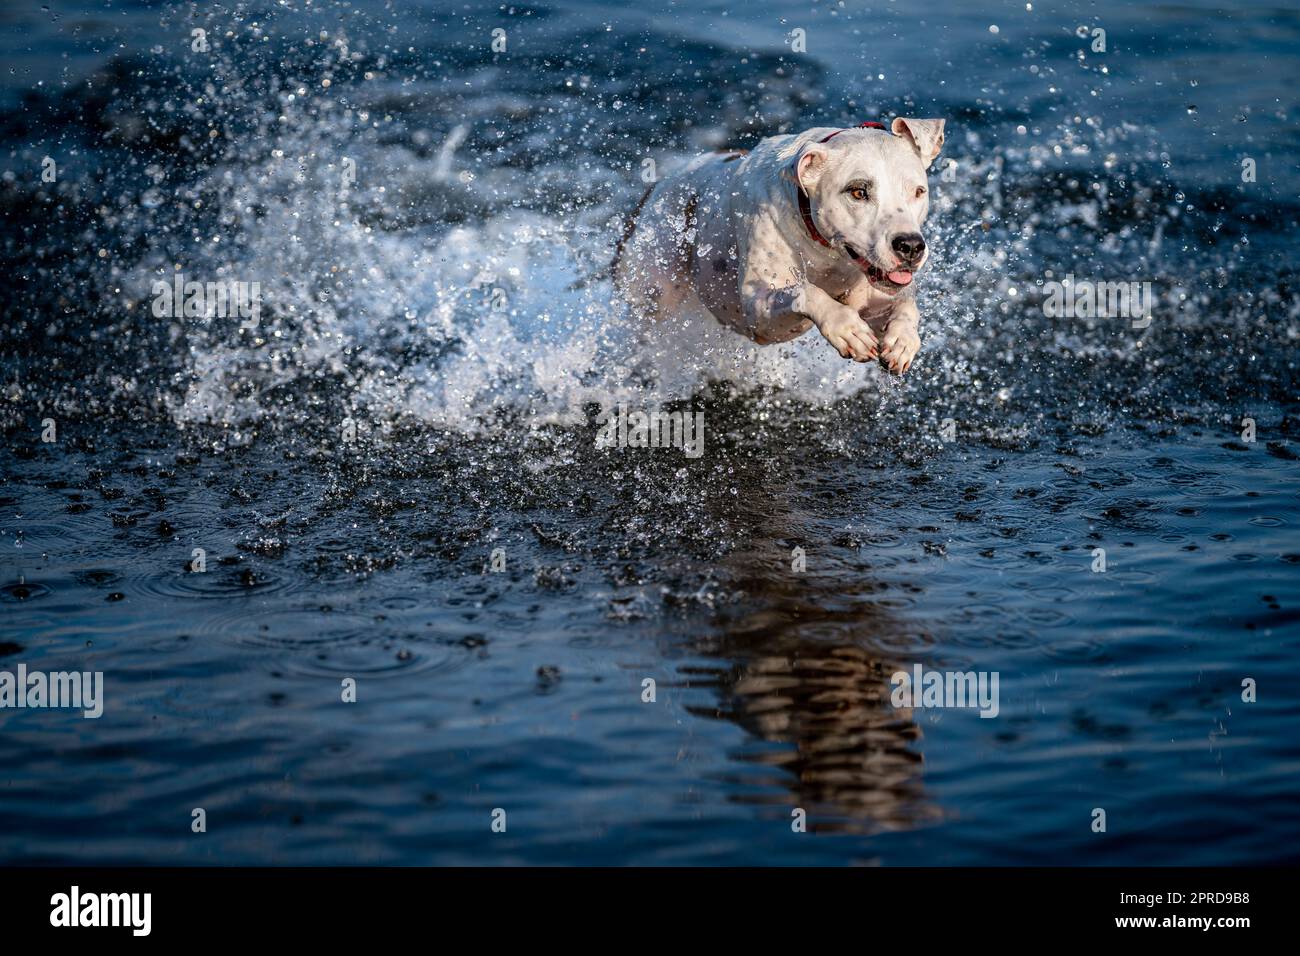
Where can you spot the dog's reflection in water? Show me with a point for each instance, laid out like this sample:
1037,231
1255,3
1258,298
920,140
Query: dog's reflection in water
804,659
850,758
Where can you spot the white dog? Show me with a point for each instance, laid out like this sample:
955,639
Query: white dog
823,229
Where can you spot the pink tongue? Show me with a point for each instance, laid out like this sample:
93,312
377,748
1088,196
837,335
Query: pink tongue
900,278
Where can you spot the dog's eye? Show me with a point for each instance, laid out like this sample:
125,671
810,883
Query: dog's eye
920,191
859,193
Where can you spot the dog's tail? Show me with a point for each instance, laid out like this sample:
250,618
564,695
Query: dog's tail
628,229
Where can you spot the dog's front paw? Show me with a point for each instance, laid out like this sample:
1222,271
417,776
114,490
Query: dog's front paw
849,335
899,347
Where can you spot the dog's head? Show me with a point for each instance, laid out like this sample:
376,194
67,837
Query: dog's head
869,197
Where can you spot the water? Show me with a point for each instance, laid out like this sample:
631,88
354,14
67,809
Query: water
425,310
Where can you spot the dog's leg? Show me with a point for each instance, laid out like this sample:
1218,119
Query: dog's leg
901,341
778,315
655,262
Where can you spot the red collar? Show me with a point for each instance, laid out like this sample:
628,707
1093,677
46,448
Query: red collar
805,207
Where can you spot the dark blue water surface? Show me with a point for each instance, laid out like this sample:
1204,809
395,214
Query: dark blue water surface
420,390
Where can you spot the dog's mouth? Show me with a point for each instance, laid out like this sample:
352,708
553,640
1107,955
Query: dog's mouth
887,281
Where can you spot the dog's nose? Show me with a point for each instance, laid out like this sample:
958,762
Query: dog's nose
909,246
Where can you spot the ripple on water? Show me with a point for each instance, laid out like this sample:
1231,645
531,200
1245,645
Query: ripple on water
981,612
1055,592
1216,489
1267,521
1048,617
52,531
285,628
1076,650
1010,639
333,644
1186,479
399,602
1130,575
223,579
895,641
378,658
96,577
19,592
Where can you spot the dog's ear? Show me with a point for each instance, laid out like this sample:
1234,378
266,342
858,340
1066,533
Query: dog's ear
809,166
926,135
